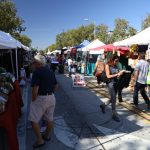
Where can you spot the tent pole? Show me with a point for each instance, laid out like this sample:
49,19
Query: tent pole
16,64
12,64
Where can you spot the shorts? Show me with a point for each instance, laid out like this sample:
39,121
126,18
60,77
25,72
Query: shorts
44,107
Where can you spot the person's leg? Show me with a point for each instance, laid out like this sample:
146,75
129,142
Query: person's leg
135,94
48,129
36,130
35,115
120,94
49,115
112,100
113,92
144,95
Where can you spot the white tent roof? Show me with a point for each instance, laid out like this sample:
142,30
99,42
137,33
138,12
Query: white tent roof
141,38
6,41
94,44
25,47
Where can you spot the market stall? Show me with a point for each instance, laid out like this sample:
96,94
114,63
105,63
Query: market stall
92,55
10,95
10,107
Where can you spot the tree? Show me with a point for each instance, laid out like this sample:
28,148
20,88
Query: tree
131,31
122,30
146,22
102,33
25,40
51,48
9,21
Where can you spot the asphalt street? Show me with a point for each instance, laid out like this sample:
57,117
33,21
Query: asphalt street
80,125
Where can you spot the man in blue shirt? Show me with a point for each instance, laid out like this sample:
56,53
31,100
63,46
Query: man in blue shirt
43,100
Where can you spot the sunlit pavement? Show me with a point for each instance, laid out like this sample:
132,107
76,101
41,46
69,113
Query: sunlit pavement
79,124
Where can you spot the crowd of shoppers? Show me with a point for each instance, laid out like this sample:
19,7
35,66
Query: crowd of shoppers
44,84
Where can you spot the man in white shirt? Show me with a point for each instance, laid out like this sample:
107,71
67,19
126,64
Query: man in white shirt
141,71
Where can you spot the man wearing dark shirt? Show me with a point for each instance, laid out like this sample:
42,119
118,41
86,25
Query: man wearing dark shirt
43,100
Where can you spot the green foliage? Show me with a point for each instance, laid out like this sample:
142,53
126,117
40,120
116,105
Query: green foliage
51,48
146,22
74,37
9,21
24,39
102,33
122,30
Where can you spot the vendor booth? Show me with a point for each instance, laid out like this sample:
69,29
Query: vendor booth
92,55
10,94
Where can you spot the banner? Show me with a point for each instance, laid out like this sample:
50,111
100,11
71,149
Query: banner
78,80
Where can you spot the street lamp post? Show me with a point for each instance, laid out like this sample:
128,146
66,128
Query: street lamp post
94,28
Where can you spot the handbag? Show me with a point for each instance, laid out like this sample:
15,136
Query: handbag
97,74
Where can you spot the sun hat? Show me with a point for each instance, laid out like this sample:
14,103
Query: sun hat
40,58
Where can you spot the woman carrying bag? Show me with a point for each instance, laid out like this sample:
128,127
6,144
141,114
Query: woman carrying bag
112,74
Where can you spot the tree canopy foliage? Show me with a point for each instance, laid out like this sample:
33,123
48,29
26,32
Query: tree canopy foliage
146,22
73,37
11,23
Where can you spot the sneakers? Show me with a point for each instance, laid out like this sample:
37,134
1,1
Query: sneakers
115,118
102,106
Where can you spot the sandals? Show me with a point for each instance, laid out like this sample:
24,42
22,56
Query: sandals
37,145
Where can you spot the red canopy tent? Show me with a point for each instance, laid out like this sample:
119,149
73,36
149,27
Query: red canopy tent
110,48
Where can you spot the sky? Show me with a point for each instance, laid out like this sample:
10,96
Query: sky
44,19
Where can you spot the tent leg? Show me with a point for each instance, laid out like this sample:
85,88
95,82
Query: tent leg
12,64
16,64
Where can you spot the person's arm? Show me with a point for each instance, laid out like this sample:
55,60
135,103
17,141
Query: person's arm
35,85
108,72
136,74
34,92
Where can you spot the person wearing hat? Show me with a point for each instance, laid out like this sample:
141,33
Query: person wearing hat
43,85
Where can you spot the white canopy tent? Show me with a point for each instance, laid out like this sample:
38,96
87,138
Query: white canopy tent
141,38
8,42
94,44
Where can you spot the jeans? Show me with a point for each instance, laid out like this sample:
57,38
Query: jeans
112,87
140,87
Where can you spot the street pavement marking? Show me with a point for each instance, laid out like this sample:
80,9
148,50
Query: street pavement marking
114,140
65,135
109,134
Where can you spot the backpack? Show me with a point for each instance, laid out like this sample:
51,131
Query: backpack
104,77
